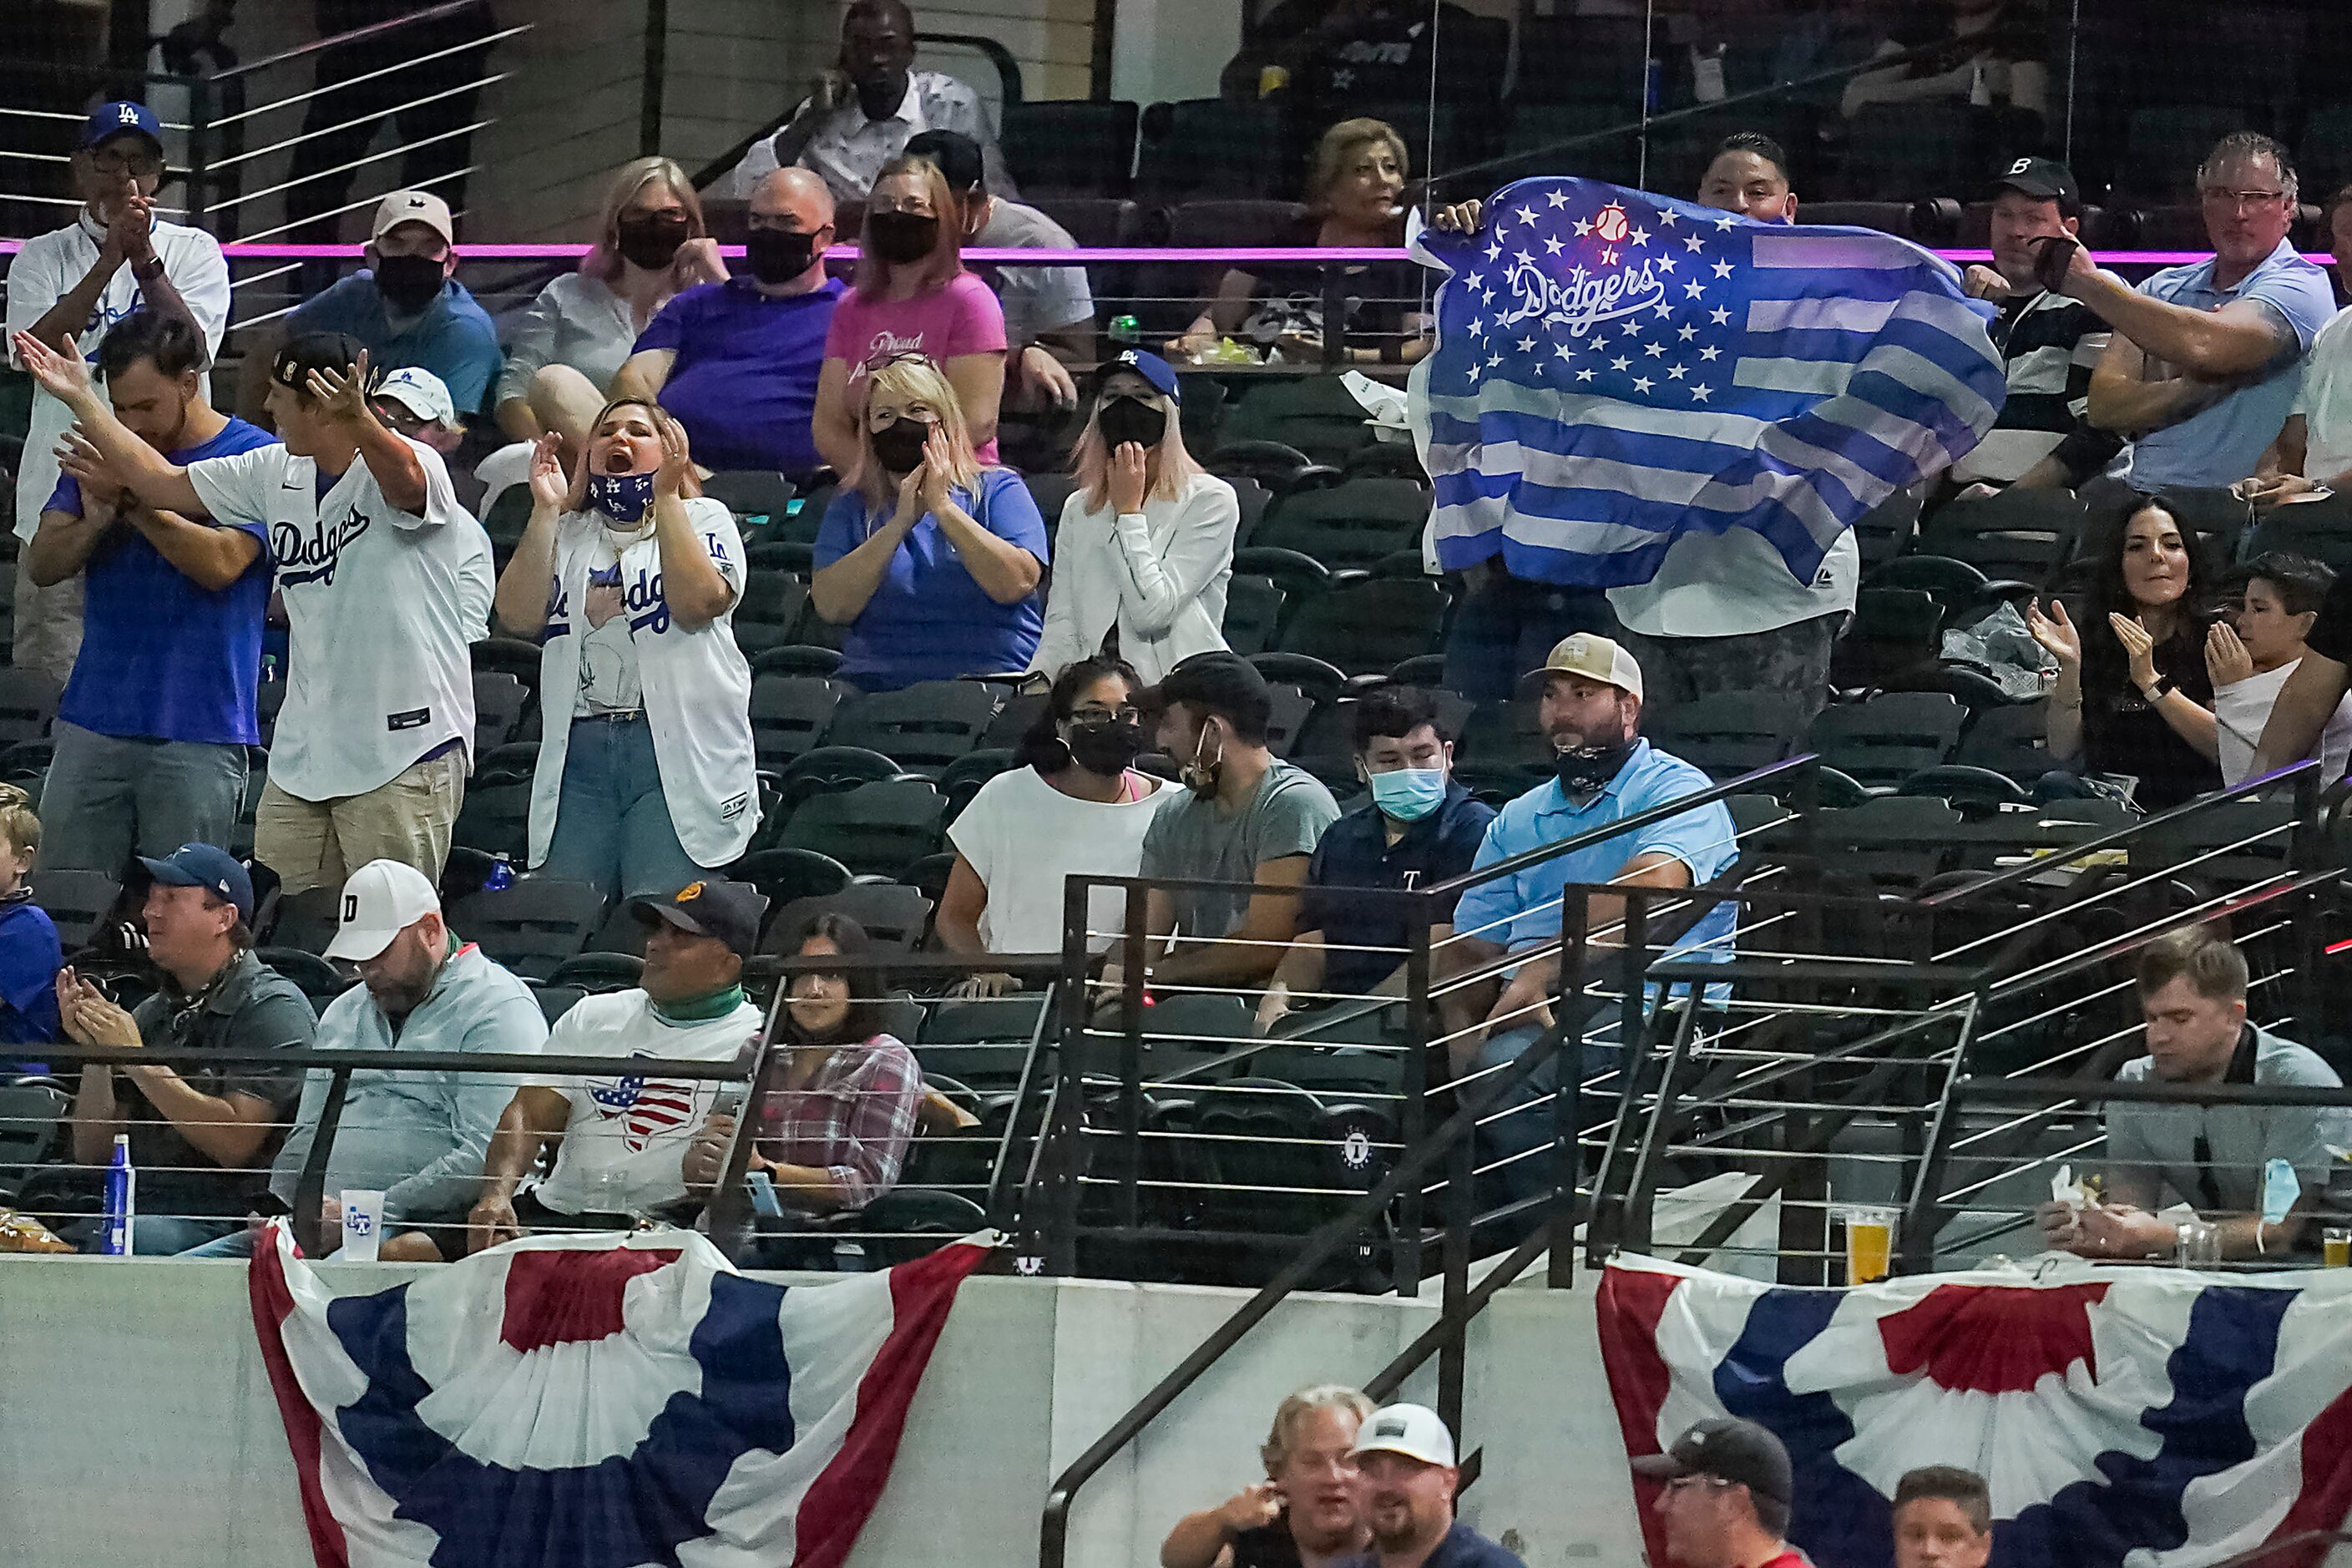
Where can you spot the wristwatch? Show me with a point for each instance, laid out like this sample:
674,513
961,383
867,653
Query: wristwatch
148,270
2156,693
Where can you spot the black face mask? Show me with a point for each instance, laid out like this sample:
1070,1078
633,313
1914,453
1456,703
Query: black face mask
1105,746
777,257
898,445
1589,768
652,241
1124,419
408,283
901,237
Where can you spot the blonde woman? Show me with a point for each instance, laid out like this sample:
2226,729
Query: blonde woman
1146,539
1353,188
933,558
912,295
652,244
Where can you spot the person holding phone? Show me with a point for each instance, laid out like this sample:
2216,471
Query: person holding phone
1305,1513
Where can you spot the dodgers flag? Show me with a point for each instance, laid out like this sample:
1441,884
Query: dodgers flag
587,1401
1613,369
2123,1417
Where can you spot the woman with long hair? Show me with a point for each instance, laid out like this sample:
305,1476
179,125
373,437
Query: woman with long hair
1145,545
627,576
2134,696
933,558
651,245
1354,182
1072,804
911,295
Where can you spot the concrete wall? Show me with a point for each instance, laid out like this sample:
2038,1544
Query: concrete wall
137,1425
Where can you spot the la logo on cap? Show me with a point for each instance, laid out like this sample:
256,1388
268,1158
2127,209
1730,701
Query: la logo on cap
126,114
688,893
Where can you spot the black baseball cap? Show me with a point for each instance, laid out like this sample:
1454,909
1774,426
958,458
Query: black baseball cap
1218,682
299,356
955,155
1728,1449
728,912
2044,178
213,870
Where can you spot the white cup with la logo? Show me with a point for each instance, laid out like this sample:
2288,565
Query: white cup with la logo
363,1224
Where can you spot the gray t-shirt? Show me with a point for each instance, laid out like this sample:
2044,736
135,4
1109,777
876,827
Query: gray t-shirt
2152,1149
1037,299
1195,838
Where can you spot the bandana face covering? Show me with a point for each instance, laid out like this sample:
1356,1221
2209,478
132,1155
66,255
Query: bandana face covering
623,498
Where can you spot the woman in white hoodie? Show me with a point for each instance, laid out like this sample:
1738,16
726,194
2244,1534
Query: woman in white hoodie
1146,544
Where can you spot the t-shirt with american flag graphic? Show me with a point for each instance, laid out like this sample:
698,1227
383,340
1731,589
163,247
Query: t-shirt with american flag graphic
628,1134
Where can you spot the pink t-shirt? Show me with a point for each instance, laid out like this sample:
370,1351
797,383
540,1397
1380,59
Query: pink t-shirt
963,317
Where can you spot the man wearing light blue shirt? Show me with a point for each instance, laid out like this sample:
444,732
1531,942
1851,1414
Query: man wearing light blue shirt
2206,359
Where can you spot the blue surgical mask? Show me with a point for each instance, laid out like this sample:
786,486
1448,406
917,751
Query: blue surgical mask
623,498
1408,794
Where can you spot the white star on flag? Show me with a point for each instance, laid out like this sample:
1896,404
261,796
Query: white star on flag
1710,352
1583,228
1663,309
1693,288
1632,326
1558,200
1668,217
1653,350
1563,351
1723,269
1723,225
1639,237
1664,264
1699,394
1494,359
1585,374
1552,245
1607,258
1692,242
1476,281
1686,333
1677,372
1719,316
1620,364
1526,345
1600,340
1477,329
1643,383
1525,214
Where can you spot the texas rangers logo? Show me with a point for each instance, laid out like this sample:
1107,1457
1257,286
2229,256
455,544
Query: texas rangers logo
647,1110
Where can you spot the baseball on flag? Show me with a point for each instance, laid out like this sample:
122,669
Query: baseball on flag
595,1402
1613,369
2148,1417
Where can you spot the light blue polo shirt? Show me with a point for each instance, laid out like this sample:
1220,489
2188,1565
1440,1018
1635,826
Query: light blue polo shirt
1522,910
2221,446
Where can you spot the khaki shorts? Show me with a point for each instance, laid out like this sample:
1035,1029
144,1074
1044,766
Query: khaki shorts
317,843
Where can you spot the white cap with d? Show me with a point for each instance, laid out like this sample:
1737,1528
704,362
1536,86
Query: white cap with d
1414,1430
381,899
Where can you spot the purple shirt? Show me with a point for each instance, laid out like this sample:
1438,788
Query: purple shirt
162,658
744,385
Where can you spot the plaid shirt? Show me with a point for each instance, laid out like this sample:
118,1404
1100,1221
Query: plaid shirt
854,1119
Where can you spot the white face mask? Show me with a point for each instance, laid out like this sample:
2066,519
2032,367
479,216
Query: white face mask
1200,773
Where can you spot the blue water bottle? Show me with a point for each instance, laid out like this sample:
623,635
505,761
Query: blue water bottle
121,1199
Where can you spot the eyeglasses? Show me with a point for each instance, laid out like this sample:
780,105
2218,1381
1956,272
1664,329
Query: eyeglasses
2241,200
1129,714
139,166
1683,1483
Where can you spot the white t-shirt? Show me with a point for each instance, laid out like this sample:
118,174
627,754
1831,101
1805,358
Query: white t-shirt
1735,584
380,606
2241,711
628,1135
46,270
610,680
2326,401
1025,838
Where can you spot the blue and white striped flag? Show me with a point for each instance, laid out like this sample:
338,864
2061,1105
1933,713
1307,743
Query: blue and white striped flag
1613,369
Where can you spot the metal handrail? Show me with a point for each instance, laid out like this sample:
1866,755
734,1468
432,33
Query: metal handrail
352,36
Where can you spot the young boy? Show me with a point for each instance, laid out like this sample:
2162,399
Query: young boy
29,953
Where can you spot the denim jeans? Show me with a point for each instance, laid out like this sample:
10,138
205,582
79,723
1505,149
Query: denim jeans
160,1236
613,829
1505,627
109,798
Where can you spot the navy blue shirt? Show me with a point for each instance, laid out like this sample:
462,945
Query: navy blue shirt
162,658
453,339
1462,1548
29,957
1355,853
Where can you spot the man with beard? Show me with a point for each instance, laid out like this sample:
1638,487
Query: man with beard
1729,1486
2049,343
1304,1514
416,1136
1406,1479
736,362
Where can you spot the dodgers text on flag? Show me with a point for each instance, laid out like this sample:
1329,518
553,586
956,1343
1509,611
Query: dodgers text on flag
595,1402
2123,1417
1615,369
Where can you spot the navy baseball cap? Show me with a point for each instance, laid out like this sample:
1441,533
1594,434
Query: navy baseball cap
112,120
203,865
727,911
1152,368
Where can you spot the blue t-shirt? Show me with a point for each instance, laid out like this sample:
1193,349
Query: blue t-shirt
928,620
744,385
162,658
453,339
29,959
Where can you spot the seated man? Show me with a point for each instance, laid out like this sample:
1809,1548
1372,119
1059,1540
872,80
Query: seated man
2049,343
736,363
858,115
1249,817
1943,1519
152,731
2314,450
1049,311
417,1138
1305,1510
2201,373
1420,827
406,306
622,1140
2192,995
200,1135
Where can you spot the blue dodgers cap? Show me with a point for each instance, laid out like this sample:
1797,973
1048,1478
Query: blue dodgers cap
203,865
1152,368
112,120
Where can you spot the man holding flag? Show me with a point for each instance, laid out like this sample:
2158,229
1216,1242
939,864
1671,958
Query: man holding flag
1689,409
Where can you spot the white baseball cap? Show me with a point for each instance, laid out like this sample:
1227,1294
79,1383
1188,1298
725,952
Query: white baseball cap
1596,657
381,899
1414,1430
414,207
421,393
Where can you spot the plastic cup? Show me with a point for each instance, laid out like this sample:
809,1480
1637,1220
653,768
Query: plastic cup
363,1224
1869,1245
2335,1247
